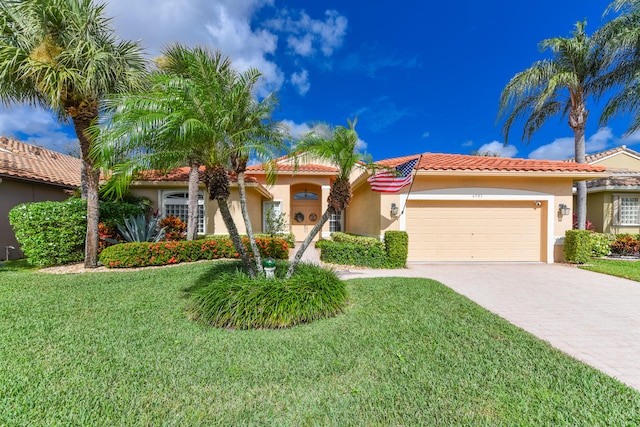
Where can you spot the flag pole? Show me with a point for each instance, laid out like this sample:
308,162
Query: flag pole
415,172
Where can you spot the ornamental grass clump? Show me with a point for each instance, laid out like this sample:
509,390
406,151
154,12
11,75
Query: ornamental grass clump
231,299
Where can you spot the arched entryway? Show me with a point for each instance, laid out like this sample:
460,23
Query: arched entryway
306,209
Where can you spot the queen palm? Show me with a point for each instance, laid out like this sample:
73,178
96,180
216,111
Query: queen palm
560,85
250,132
62,55
621,37
338,146
166,125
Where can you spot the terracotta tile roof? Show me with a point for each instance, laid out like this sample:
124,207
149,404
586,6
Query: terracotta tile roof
23,161
302,168
182,174
590,158
458,162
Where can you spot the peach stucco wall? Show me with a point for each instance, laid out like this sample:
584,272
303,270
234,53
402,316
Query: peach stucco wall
620,161
557,190
213,219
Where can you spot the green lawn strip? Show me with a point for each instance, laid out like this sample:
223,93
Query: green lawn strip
117,349
628,269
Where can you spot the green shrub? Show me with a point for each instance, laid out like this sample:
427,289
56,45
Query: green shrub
144,254
345,253
356,240
53,232
601,244
626,245
397,248
577,246
231,299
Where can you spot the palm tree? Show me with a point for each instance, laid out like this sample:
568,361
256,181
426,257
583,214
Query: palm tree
560,85
621,37
62,55
165,126
250,132
338,146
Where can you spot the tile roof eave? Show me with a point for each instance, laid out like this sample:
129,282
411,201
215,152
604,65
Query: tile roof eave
64,185
501,173
183,184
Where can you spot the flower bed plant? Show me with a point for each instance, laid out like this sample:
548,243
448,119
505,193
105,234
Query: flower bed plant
128,255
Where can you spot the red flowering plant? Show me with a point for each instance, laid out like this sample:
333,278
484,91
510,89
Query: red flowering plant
175,228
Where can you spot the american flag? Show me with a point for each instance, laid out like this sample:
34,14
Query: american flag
392,180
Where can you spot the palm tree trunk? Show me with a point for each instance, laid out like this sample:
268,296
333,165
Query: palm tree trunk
307,241
581,186
192,208
247,222
92,180
235,236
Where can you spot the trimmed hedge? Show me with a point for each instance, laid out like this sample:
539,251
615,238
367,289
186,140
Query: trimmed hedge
128,255
397,247
345,253
349,249
53,233
577,246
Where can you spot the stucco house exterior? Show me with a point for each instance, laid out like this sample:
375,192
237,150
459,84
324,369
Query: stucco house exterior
31,174
458,208
613,202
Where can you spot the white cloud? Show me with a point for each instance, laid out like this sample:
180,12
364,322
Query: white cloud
497,147
631,139
296,130
37,127
563,148
310,35
301,81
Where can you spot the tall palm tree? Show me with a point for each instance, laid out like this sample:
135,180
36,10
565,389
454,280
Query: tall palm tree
63,55
339,147
560,85
621,37
250,132
166,125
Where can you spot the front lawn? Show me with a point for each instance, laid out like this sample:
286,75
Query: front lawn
629,269
118,349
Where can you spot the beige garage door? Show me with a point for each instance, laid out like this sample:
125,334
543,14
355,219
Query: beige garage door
475,231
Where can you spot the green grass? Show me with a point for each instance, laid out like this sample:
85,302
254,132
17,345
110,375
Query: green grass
118,349
626,269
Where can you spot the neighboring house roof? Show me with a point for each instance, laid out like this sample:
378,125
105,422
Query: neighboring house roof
28,162
602,155
616,182
464,163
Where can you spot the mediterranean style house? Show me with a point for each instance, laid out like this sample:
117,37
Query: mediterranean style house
31,174
456,209
613,201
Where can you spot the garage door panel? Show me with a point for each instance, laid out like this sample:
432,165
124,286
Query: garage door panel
475,231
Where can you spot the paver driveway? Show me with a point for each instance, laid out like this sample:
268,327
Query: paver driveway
593,317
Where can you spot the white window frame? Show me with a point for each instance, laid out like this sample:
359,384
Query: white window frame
618,207
336,218
167,200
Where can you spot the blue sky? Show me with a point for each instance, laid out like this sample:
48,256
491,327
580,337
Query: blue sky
420,76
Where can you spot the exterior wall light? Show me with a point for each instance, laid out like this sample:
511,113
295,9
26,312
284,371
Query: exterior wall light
564,209
394,209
